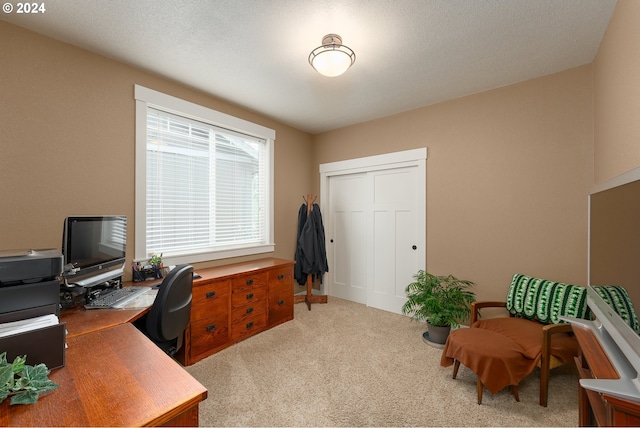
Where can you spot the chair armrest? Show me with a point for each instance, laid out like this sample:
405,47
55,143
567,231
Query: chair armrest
547,331
557,328
545,358
476,306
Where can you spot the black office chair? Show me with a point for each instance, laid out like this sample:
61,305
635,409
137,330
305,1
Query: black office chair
168,318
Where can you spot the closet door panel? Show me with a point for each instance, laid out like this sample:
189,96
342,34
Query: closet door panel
396,236
347,277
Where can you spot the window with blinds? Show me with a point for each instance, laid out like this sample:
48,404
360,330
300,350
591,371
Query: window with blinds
207,188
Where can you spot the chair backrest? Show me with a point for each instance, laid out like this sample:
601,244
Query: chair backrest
546,301
171,310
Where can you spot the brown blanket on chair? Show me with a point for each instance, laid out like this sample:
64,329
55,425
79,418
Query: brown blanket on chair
497,360
528,334
502,351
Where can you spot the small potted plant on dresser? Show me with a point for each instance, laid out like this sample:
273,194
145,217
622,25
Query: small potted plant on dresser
441,301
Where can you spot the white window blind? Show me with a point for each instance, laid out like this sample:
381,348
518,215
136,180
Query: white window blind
205,187
204,182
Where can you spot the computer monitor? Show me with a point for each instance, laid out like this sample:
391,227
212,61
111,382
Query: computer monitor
614,246
94,249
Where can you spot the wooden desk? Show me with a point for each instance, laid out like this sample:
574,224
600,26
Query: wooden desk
596,408
113,377
81,321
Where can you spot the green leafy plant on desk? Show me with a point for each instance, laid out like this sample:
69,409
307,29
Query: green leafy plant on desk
22,382
156,260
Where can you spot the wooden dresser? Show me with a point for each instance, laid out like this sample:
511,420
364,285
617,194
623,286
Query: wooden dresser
234,302
596,409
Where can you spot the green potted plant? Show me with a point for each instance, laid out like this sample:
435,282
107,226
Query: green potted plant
22,382
441,301
156,264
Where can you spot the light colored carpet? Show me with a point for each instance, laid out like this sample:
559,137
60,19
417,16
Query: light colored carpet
345,364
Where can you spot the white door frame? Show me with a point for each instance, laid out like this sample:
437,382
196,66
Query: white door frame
415,157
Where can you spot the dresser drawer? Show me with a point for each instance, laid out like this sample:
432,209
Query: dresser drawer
209,333
249,310
280,307
249,282
247,326
281,280
210,298
248,296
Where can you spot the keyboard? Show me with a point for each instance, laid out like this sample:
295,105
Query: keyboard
116,298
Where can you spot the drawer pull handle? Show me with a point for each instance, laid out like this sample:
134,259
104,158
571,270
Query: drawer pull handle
280,302
250,324
249,281
211,294
281,276
249,296
249,310
211,327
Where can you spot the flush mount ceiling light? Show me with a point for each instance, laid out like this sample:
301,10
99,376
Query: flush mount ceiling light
332,58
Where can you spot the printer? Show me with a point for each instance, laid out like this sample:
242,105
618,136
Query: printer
27,266
29,278
30,288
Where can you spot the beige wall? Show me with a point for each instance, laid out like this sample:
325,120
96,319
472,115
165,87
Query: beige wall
616,72
508,172
67,142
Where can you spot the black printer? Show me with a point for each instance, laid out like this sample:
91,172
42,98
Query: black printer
29,279
29,288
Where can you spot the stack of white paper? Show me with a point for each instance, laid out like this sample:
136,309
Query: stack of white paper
14,327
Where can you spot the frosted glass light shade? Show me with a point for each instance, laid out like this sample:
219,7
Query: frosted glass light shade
332,58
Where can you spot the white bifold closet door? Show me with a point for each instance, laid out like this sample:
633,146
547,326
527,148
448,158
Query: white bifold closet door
375,228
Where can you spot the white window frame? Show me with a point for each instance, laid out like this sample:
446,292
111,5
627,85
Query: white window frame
145,98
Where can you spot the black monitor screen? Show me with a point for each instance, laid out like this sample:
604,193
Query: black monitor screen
94,242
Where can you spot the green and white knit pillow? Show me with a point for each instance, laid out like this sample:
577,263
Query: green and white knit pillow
544,300
618,298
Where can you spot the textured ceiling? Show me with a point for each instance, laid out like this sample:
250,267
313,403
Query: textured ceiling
410,53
